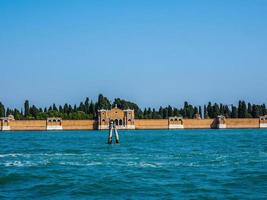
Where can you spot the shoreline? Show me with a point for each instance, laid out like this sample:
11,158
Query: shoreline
140,124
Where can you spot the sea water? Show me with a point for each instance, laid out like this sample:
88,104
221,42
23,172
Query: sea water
150,164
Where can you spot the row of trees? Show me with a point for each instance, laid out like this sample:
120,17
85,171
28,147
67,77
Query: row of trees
88,110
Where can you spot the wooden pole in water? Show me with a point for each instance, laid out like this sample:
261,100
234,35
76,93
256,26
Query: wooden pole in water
116,134
112,127
110,132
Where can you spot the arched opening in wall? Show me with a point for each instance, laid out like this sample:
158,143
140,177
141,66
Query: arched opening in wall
54,120
181,121
116,122
120,122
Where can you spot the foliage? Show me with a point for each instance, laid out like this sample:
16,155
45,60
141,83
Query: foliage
88,109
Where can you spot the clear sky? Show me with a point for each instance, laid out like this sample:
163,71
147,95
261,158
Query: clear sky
150,52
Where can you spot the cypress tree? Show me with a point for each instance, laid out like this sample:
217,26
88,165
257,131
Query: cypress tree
66,109
161,112
216,110
92,109
145,113
170,111
165,113
60,109
234,113
103,102
154,114
200,111
264,111
242,109
227,112
205,112
175,112
55,107
185,111
86,105
195,110
149,113
249,109
2,110
209,110
26,108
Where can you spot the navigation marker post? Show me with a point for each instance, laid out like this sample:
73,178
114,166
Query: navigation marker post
112,126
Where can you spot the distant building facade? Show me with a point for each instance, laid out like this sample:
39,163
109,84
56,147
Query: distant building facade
124,119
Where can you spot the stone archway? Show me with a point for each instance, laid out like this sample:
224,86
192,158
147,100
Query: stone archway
116,121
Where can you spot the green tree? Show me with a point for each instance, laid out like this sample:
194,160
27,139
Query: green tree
86,105
210,110
2,110
161,112
34,111
242,109
234,113
216,110
200,111
205,112
103,102
92,110
227,112
165,113
26,108
170,111
55,107
175,112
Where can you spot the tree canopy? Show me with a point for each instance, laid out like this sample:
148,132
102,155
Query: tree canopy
88,109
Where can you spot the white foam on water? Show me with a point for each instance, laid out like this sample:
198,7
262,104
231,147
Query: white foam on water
69,163
94,163
14,163
15,155
143,164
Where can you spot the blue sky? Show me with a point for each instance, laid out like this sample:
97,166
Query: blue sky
150,52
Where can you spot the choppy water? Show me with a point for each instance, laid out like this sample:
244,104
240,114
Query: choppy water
183,164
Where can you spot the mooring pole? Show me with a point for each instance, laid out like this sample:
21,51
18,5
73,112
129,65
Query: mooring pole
110,132
116,134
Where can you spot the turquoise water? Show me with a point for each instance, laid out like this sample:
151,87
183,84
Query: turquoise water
182,164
